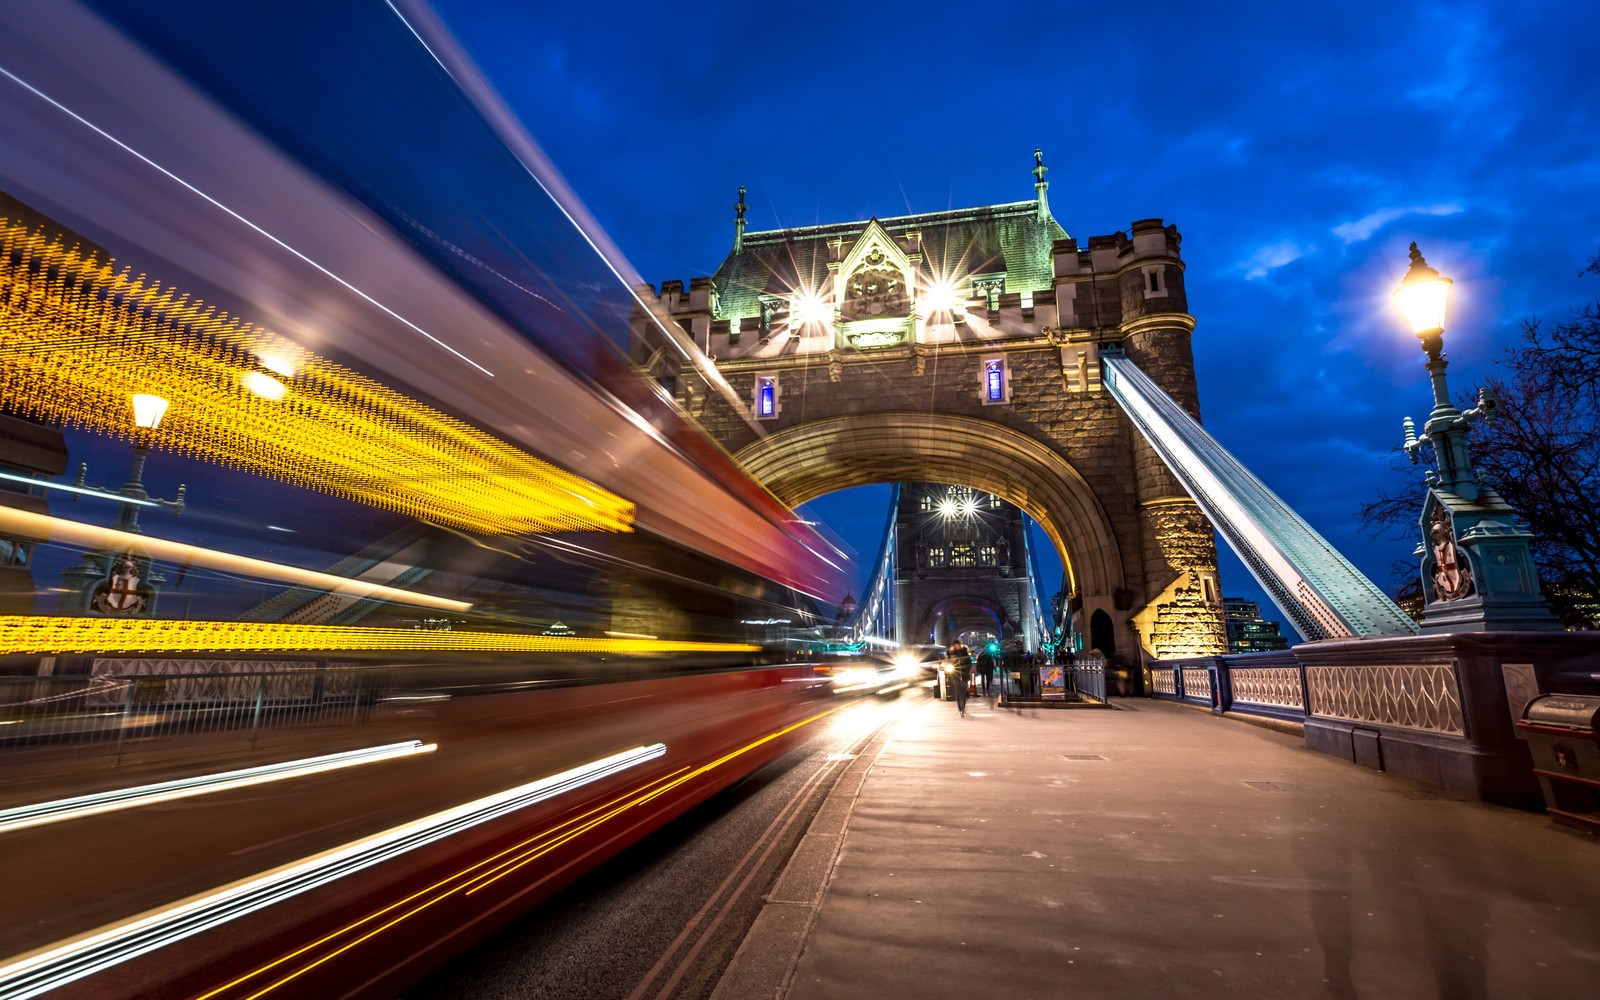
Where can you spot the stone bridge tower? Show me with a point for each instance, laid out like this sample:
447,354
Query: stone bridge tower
961,347
960,567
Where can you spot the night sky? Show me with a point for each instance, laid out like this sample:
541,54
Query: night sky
1298,148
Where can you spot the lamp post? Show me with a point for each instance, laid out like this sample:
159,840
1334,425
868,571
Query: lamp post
147,413
122,583
1477,571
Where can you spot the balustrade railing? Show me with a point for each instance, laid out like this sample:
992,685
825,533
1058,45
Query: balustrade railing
109,710
1269,684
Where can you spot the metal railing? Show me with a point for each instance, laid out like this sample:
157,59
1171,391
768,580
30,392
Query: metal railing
110,711
1269,684
1087,675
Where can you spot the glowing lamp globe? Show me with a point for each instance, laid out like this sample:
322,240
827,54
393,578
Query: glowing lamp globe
1422,295
148,410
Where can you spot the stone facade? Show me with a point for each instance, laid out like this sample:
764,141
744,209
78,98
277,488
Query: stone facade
961,347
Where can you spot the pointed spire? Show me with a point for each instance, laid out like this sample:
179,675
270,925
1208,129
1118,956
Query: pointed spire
1040,185
738,222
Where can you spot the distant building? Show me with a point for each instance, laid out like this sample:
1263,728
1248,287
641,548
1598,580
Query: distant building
1248,632
961,568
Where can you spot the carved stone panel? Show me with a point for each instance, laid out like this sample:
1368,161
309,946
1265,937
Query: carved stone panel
1422,696
1275,686
874,293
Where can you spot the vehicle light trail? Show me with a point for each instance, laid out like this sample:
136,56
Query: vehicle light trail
41,634
79,806
25,85
481,874
18,523
82,490
55,966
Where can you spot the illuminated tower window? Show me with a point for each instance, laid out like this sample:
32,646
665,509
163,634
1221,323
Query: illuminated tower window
987,555
766,397
996,382
963,554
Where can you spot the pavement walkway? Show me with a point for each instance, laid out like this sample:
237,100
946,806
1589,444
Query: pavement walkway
1158,851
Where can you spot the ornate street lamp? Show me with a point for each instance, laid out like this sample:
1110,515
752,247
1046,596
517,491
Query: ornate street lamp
122,583
1477,571
147,413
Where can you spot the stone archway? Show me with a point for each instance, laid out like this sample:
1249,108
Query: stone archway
951,607
809,460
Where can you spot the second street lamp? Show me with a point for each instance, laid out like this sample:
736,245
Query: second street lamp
1477,569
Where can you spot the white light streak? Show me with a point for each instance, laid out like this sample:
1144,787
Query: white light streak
30,88
80,806
86,491
264,386
53,967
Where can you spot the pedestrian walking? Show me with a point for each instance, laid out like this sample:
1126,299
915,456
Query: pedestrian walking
960,673
985,669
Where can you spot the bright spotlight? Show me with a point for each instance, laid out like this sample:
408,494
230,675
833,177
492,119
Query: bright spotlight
278,362
810,308
940,297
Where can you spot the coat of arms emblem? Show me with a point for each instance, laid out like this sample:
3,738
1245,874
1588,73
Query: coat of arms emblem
123,592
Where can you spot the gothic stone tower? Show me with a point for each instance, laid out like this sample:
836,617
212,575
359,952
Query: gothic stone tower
961,347
960,564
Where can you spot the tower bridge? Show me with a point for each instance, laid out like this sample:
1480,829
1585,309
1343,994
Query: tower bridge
987,348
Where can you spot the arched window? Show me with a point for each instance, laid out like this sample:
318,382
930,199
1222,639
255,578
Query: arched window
1102,635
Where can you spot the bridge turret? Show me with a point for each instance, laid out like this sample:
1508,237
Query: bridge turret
1183,600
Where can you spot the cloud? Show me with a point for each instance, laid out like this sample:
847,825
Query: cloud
1364,227
1272,257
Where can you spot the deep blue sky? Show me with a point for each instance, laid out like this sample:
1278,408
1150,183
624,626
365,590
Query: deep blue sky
1298,148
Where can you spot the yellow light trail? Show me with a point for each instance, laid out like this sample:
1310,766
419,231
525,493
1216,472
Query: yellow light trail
484,882
41,634
472,878
79,338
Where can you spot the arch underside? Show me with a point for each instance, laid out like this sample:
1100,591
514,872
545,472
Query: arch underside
810,460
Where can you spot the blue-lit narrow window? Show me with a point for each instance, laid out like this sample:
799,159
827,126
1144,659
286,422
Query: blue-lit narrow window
995,389
766,394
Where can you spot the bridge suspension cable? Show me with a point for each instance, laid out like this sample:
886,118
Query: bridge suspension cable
1052,632
1306,577
874,617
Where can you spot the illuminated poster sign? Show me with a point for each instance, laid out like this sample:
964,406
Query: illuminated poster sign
766,396
1052,681
994,380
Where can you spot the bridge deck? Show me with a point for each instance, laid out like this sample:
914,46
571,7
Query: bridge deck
999,855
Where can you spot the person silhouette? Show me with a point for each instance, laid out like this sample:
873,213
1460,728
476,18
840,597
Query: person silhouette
960,673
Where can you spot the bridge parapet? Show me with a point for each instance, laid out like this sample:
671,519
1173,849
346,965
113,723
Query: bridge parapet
1440,709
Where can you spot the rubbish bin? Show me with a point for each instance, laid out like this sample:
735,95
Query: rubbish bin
1563,737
